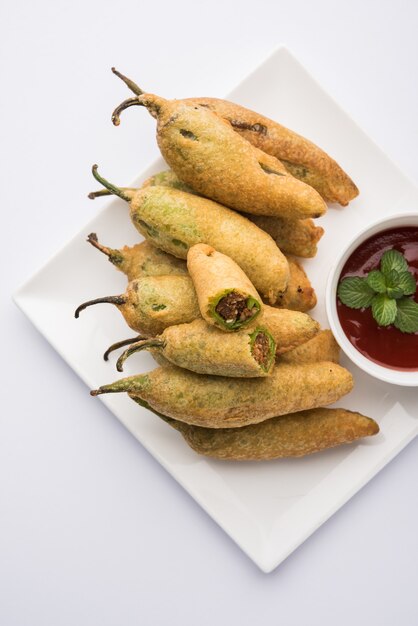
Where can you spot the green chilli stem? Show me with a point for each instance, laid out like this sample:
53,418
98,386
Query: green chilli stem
130,102
136,347
130,83
105,192
98,194
132,385
121,344
118,300
92,238
115,256
118,191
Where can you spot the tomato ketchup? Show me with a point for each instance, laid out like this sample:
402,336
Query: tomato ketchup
385,345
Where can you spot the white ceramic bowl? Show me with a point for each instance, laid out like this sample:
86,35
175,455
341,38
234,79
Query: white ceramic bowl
396,377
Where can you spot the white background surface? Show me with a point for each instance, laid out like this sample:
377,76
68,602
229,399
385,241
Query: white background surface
93,530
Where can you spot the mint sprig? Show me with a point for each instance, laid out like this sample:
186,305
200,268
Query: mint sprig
386,290
355,292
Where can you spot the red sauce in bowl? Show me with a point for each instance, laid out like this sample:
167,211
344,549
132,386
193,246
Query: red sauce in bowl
386,346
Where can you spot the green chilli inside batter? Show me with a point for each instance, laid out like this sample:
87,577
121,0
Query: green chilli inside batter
233,310
263,348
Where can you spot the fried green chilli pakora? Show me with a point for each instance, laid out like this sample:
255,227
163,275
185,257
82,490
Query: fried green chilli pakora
209,156
227,298
294,435
221,402
207,350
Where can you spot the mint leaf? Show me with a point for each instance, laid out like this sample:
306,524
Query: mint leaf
392,283
385,290
392,279
376,281
355,292
384,309
407,316
395,292
407,283
393,260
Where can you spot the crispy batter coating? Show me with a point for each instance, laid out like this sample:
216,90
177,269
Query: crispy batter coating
145,259
142,259
297,237
227,298
156,302
294,435
299,295
175,220
289,328
166,178
159,358
322,347
292,236
302,158
220,402
209,156
206,350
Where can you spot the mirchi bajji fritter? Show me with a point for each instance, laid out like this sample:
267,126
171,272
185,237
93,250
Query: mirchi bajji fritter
206,350
153,303
294,435
208,155
221,402
142,259
227,298
174,221
293,236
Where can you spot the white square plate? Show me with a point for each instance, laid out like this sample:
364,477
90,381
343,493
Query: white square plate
268,508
